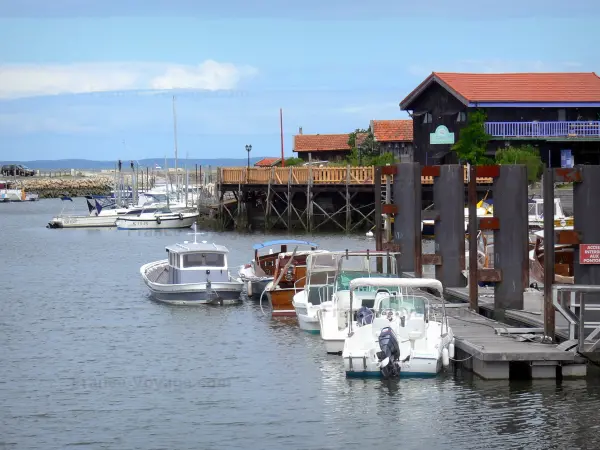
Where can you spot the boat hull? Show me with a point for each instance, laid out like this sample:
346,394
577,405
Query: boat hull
281,301
256,287
82,221
357,367
217,293
165,223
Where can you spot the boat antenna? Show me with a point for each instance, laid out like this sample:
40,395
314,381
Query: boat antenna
195,233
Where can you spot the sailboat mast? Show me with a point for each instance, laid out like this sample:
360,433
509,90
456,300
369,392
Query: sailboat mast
175,141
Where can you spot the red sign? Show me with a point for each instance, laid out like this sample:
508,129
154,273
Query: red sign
589,254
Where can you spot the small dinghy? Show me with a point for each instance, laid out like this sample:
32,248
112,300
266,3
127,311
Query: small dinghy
194,273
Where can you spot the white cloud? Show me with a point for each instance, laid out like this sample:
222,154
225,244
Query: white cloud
30,80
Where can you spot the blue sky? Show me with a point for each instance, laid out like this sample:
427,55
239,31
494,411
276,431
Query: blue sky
94,79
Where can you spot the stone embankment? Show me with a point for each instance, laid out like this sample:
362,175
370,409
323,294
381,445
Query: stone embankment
72,187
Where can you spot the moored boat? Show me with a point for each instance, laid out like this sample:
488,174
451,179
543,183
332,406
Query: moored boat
320,277
194,273
400,336
260,271
334,315
564,257
162,219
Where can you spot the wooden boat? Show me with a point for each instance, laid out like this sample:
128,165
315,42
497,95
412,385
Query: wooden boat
289,278
564,255
260,271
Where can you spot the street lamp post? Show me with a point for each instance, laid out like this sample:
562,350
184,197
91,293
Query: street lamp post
248,149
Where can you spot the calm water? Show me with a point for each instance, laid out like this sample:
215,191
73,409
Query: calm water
87,360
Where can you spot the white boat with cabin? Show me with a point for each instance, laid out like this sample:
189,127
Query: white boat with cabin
401,335
194,273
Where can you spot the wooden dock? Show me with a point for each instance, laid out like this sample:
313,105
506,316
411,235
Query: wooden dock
307,198
495,350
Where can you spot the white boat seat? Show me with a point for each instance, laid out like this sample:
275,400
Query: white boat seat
415,327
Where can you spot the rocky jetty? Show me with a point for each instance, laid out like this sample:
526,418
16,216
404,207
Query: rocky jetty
72,187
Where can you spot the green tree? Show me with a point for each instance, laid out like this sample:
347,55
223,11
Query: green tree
362,145
293,161
525,154
472,143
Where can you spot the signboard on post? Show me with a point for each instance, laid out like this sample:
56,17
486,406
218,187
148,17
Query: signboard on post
589,254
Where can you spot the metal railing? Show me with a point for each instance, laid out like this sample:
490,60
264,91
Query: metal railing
574,296
573,129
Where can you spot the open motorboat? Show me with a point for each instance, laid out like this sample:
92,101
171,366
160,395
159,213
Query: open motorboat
484,209
564,257
401,335
321,269
289,278
160,219
194,273
485,253
334,315
260,271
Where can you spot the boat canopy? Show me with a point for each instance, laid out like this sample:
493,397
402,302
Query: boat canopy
415,283
283,242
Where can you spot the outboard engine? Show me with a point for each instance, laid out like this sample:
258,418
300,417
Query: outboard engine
364,316
389,355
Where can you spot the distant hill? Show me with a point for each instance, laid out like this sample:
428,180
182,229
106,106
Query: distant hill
150,162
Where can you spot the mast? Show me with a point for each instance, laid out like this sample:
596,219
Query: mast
281,130
175,141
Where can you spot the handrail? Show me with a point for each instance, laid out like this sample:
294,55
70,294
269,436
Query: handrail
578,320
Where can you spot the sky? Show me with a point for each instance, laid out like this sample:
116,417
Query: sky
95,79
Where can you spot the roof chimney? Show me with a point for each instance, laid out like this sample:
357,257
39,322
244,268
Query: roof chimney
300,130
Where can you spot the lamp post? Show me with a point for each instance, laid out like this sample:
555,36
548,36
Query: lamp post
248,149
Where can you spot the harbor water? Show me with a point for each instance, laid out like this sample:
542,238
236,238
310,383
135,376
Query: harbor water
87,360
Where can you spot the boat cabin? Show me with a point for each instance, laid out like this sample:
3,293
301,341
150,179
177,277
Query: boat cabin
265,264
197,263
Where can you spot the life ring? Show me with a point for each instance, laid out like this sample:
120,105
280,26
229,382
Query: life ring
158,220
180,216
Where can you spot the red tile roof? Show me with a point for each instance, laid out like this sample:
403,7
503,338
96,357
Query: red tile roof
392,130
321,142
568,87
267,162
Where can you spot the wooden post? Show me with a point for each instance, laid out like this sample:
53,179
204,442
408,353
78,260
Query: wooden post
449,198
548,193
378,210
586,207
407,223
289,198
348,210
472,205
309,197
511,243
268,202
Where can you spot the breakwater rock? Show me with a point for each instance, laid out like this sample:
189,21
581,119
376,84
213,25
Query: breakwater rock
73,187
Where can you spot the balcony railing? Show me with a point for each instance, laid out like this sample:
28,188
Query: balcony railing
538,130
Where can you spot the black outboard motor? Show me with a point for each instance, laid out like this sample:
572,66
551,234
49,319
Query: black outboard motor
364,316
390,352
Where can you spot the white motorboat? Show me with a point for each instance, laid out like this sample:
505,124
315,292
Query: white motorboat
194,273
162,219
401,336
321,269
334,315
10,192
261,270
536,214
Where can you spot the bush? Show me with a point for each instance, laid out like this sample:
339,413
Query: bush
293,162
527,155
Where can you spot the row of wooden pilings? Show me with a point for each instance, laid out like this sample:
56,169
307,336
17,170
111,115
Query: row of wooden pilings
509,225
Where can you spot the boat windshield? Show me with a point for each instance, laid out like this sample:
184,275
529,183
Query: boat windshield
342,282
411,303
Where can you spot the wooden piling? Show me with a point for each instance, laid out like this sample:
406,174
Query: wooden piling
407,223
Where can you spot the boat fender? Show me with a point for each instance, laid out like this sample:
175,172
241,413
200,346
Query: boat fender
180,216
445,358
451,351
249,288
158,220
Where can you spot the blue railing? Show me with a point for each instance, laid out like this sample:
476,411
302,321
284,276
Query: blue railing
578,129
